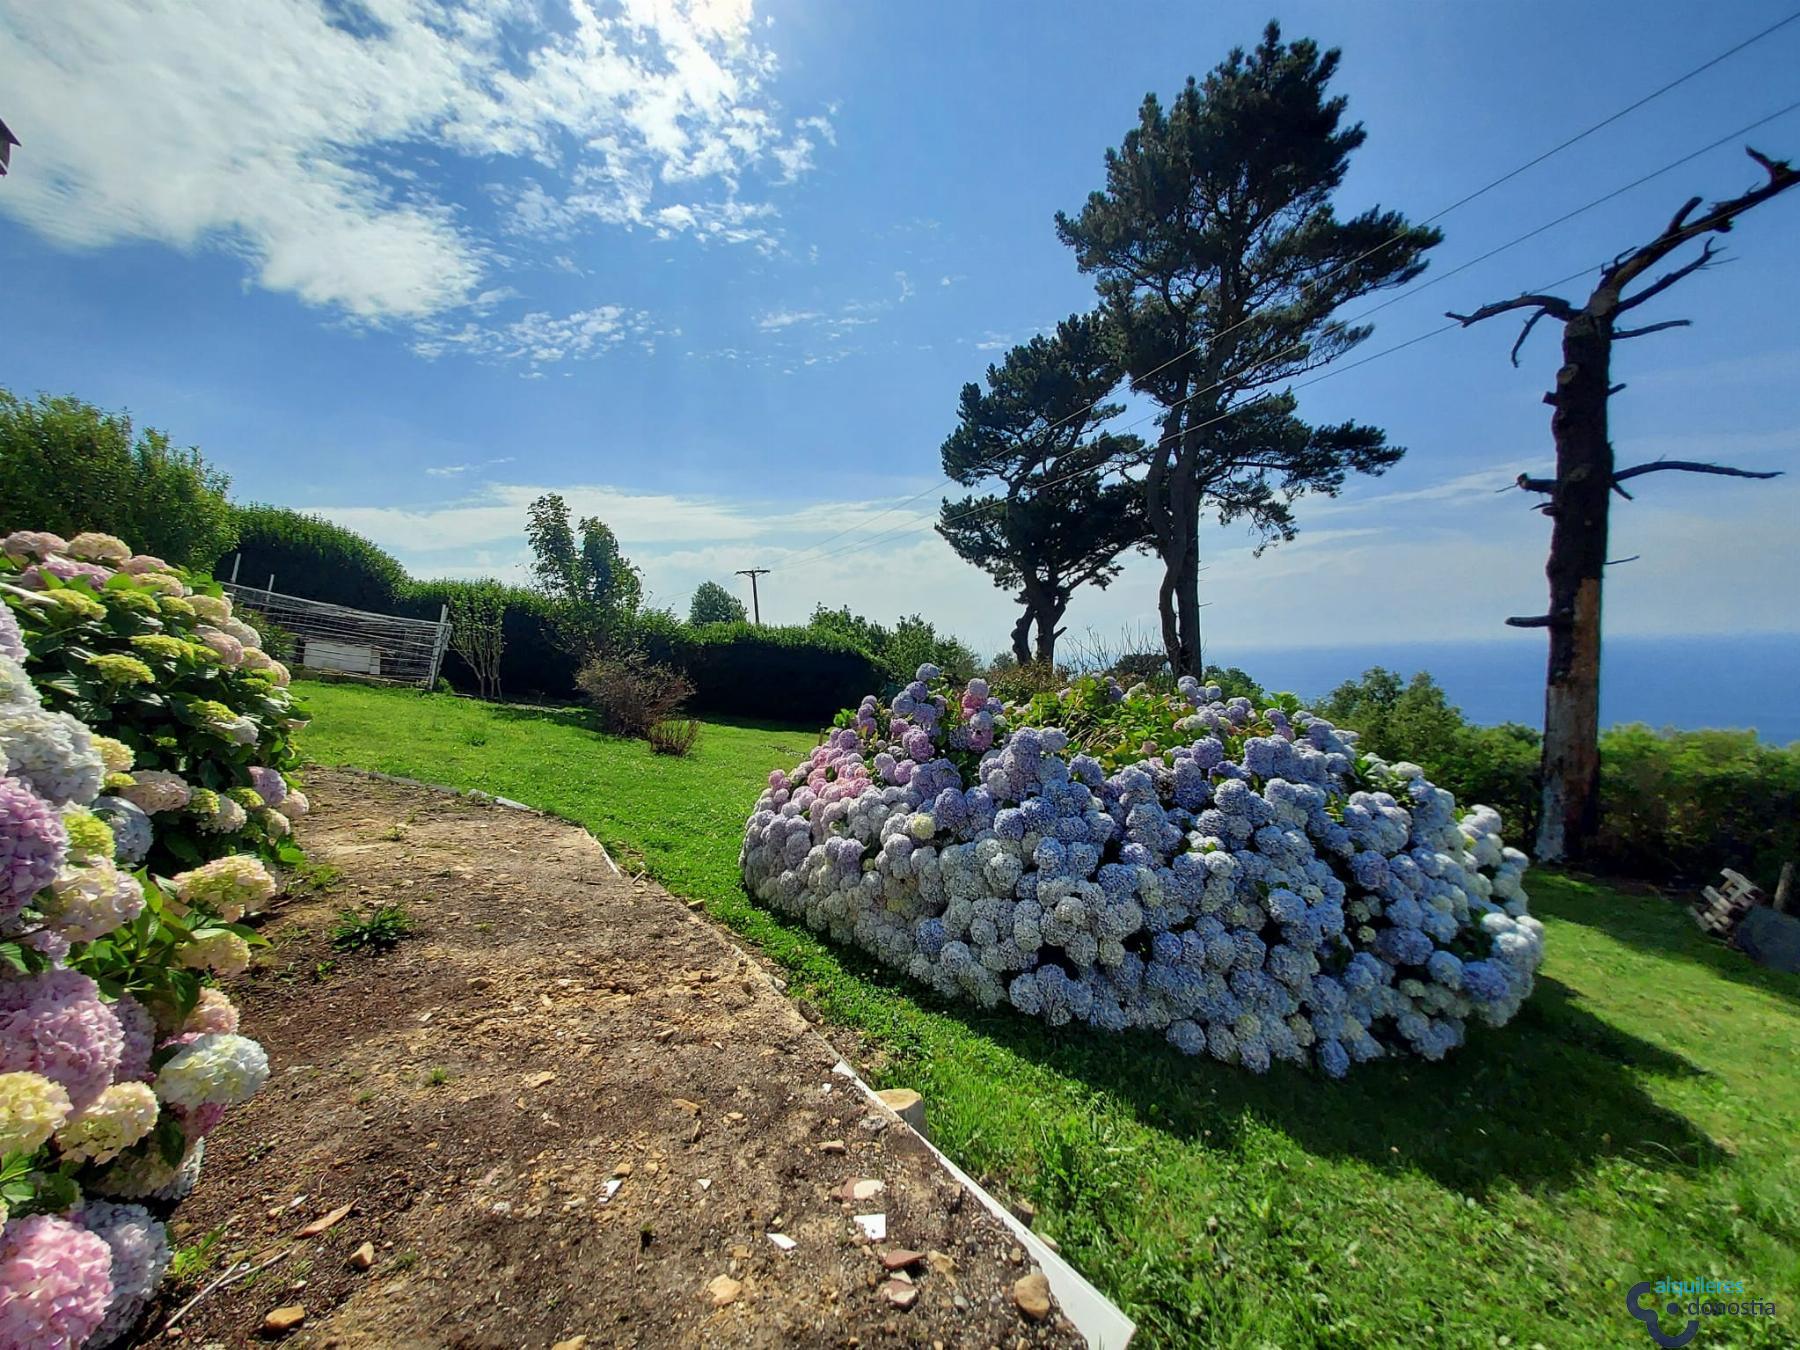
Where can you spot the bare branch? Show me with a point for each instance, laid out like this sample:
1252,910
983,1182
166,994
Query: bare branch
1524,333
1773,167
1687,209
1717,219
1650,328
1623,493
1667,280
1536,621
1551,304
1689,466
1614,562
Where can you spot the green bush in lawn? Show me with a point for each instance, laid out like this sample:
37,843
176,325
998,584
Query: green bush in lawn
66,466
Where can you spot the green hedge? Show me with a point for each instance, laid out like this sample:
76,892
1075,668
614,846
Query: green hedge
311,557
773,674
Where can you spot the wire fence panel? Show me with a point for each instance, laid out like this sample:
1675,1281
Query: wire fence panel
331,637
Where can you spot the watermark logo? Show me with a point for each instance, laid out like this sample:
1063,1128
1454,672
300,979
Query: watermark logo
1691,1300
1653,1323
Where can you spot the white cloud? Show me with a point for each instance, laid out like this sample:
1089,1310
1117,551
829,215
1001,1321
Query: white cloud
457,470
540,338
778,319
291,132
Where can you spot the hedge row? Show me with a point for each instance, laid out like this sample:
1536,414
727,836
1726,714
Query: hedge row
772,674
738,670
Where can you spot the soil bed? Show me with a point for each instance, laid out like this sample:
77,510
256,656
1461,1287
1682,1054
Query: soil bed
550,1029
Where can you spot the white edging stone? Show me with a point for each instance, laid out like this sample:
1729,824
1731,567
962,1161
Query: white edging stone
1095,1316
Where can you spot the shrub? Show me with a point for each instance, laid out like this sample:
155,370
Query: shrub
632,694
478,632
67,466
379,930
310,556
534,662
1231,877
674,736
712,603
1688,803
1013,682
778,674
277,641
116,1055
157,660
899,650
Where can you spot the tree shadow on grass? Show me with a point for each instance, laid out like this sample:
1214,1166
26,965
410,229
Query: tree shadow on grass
1649,921
1537,1104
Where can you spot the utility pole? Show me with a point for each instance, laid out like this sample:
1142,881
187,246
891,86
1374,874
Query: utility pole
753,573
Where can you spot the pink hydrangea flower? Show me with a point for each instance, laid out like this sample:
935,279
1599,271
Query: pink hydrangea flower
55,1283
27,545
54,1023
33,845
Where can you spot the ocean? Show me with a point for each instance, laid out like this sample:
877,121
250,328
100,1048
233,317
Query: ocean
1746,681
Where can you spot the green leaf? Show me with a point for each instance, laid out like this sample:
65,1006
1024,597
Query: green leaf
169,1139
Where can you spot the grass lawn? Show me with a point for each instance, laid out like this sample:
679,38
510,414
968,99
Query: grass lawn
1636,1122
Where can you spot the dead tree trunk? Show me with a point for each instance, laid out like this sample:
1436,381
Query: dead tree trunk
1584,468
1579,500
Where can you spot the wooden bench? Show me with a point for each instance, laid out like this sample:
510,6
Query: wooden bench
1721,908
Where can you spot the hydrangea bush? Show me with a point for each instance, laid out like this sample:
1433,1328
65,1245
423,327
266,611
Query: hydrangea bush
152,692
144,753
1238,879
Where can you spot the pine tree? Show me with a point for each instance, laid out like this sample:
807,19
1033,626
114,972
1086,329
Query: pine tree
1220,263
1066,513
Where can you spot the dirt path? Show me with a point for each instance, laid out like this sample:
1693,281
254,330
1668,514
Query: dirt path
549,1030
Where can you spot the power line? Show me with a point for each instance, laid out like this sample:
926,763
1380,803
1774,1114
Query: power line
1533,233
1435,216
1335,370
813,554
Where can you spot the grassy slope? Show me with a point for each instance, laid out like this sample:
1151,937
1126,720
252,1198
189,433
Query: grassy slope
1635,1122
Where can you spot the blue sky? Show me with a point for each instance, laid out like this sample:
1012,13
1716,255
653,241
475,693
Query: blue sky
717,272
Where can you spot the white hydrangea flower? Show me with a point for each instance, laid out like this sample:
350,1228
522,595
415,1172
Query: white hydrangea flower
224,953
239,880
16,689
212,609
122,1115
91,900
215,1070
53,752
95,547
140,1255
156,790
32,1108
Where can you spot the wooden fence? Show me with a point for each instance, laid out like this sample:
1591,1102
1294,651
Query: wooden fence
329,637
